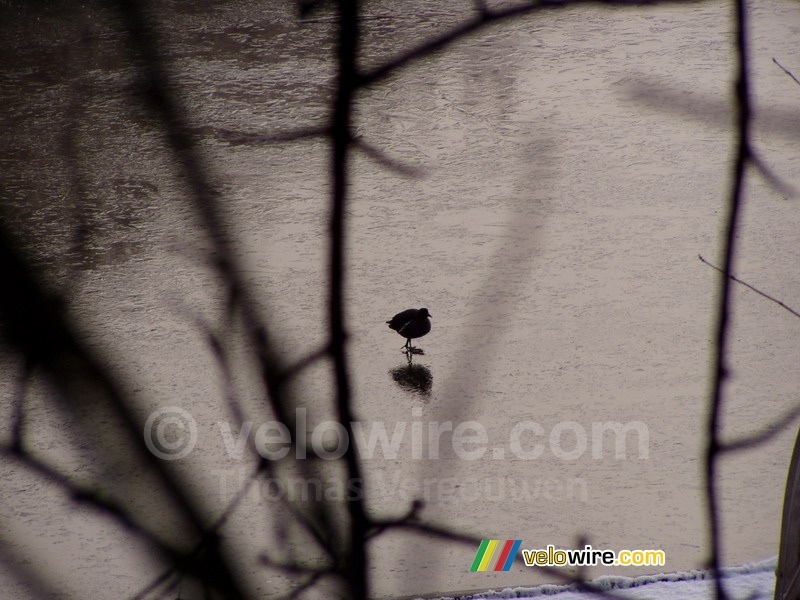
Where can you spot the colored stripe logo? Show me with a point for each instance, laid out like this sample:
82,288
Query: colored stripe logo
502,551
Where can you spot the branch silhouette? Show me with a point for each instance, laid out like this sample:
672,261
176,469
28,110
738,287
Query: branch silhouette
720,372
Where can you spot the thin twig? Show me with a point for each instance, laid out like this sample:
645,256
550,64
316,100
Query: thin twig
763,436
380,157
755,289
311,580
301,365
209,534
292,568
245,138
314,530
156,583
38,579
215,344
787,71
378,526
92,498
783,188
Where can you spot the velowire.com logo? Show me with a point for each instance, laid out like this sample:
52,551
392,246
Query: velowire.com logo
502,551
500,554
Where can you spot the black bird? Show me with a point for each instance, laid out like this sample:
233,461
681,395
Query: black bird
411,324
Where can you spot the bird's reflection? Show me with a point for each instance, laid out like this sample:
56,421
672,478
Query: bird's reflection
413,377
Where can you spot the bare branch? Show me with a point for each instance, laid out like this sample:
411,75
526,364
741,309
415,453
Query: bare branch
356,562
481,21
743,154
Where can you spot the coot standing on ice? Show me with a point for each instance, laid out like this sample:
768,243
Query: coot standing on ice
411,324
